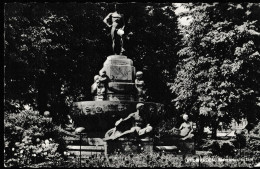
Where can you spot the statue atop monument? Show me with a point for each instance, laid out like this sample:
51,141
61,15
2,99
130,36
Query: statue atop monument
117,30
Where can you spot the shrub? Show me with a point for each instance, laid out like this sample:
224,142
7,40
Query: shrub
253,138
219,147
31,138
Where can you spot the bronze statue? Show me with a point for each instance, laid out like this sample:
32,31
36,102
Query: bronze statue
139,84
138,125
100,85
185,130
117,30
103,82
94,85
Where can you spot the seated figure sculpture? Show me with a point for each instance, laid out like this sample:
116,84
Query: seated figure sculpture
138,125
185,130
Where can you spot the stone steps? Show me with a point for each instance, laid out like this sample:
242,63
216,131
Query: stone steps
83,153
74,150
84,141
85,148
89,146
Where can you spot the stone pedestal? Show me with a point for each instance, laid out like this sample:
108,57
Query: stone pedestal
121,73
187,146
127,145
119,68
174,143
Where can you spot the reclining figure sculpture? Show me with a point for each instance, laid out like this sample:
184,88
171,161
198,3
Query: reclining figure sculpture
138,125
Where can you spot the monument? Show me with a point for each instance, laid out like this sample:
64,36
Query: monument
117,91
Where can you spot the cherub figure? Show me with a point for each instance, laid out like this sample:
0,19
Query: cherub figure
139,84
95,84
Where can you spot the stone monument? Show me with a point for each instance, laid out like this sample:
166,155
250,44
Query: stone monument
117,90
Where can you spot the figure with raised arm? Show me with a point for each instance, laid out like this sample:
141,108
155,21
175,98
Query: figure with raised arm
138,125
117,30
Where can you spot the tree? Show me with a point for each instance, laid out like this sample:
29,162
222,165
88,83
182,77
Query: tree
218,75
48,52
54,49
33,46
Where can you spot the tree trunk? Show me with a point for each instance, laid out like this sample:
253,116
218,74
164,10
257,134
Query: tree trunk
200,129
214,130
42,97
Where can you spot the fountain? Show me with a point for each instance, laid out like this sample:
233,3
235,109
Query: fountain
116,91
120,99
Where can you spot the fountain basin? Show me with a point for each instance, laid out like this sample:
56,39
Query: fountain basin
99,116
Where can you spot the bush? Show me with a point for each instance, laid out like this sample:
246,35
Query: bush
253,138
31,138
155,159
219,147
162,129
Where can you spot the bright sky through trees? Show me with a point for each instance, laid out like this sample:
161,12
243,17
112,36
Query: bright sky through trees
180,9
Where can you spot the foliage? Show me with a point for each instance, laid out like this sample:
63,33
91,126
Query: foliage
53,51
33,46
153,44
217,76
155,160
219,147
30,137
253,137
164,128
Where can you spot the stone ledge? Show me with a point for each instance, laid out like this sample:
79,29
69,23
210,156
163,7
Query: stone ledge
120,97
88,148
117,57
119,62
84,153
166,148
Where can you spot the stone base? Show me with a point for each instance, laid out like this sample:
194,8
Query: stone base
185,146
188,146
126,145
118,97
121,87
169,149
